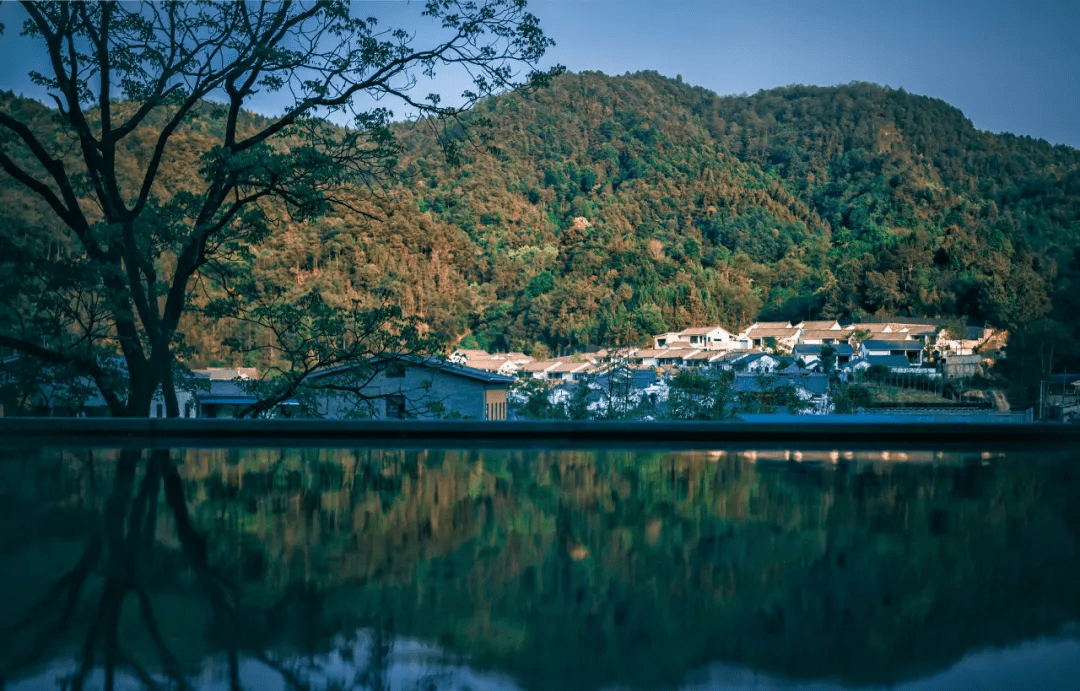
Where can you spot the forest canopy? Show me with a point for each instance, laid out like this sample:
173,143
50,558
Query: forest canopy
604,209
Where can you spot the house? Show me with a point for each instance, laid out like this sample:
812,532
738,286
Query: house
662,340
647,357
783,337
518,359
729,361
912,350
897,364
51,394
811,354
570,371
769,325
419,388
967,340
873,328
537,369
618,391
608,355
758,363
811,388
461,356
823,336
493,364
707,337
960,366
707,358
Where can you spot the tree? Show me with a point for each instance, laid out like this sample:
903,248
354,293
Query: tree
828,359
131,240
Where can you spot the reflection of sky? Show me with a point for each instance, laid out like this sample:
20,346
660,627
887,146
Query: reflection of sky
1049,664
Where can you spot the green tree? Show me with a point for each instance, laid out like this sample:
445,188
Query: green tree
134,240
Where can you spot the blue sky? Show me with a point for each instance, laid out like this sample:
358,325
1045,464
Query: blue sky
1009,65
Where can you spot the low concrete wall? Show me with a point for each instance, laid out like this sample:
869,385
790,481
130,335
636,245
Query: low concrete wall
818,431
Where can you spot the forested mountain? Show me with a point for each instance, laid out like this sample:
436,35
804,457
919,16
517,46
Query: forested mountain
603,209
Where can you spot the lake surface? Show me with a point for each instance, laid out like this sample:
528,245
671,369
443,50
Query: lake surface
495,569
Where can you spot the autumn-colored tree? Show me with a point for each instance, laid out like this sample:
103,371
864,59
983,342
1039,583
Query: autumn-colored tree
133,243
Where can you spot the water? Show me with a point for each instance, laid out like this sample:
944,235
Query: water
493,569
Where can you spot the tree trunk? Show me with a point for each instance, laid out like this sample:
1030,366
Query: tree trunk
141,388
168,390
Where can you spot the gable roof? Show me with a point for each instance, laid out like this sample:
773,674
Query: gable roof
491,365
873,327
787,332
821,325
665,353
701,330
470,354
571,367
540,365
516,358
769,325
708,355
819,334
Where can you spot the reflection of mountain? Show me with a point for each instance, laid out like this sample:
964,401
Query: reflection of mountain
571,569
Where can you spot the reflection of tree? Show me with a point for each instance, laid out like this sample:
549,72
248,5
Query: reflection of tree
567,569
119,555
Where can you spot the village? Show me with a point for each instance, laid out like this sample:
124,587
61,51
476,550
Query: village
805,360
767,368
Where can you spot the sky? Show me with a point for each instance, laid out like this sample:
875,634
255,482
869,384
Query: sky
1009,65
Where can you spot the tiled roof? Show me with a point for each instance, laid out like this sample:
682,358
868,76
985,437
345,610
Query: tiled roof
540,365
709,355
470,354
771,325
773,333
823,325
571,367
819,334
490,365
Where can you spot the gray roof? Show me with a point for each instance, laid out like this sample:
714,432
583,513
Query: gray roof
641,378
815,349
893,345
226,392
814,383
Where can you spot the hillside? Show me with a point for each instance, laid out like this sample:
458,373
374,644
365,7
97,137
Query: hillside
604,209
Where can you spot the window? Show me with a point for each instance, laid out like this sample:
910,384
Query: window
395,406
161,410
395,370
